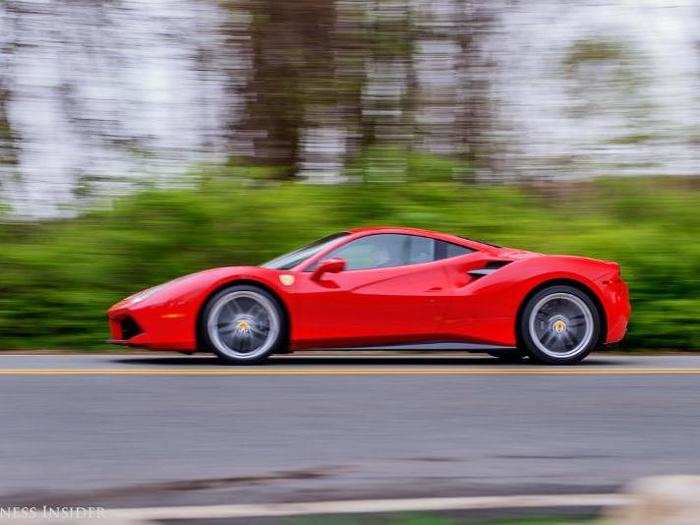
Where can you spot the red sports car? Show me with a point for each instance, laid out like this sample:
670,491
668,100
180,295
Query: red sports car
385,287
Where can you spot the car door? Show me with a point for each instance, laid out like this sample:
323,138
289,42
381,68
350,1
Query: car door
388,293
467,315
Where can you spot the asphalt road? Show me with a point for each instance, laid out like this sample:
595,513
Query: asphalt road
120,430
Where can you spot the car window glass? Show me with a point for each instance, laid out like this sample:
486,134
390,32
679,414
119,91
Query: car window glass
420,249
386,250
445,250
373,251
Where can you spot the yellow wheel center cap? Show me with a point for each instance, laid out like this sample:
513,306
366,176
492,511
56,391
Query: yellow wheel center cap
559,326
243,325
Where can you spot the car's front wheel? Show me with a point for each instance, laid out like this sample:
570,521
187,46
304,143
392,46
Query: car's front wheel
559,325
243,324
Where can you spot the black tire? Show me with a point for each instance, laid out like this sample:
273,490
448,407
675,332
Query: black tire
253,311
565,332
513,355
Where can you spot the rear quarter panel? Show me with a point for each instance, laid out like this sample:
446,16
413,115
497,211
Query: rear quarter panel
490,305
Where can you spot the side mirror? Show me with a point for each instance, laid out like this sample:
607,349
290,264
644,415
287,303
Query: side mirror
328,266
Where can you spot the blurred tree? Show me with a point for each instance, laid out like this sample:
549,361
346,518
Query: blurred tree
475,128
291,64
387,93
328,80
453,98
9,148
9,143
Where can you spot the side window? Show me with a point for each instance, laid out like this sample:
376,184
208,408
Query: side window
386,250
445,250
420,249
373,251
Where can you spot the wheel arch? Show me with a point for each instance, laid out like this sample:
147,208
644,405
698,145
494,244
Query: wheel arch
199,334
565,282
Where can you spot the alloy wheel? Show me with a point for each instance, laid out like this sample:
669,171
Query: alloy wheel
243,324
561,325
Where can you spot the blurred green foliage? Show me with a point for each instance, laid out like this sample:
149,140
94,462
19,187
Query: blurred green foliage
58,277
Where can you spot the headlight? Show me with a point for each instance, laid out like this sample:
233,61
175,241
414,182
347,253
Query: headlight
144,294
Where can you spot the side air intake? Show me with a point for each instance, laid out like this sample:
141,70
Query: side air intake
488,269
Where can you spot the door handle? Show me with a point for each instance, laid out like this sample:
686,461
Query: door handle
434,289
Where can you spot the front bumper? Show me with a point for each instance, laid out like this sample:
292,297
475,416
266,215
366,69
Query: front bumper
154,327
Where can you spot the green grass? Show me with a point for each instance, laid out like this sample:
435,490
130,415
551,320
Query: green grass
57,278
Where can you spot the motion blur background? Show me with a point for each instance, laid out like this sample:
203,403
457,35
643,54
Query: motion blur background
140,140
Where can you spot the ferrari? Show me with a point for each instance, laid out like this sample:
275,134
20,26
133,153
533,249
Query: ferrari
385,287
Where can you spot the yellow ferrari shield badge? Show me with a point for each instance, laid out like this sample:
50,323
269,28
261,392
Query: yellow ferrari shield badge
287,279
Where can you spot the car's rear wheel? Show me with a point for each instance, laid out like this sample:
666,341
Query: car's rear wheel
243,324
559,325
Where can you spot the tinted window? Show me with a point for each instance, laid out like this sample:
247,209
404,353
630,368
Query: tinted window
389,249
419,249
445,250
373,251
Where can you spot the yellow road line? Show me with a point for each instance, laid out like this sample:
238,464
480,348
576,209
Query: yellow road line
349,371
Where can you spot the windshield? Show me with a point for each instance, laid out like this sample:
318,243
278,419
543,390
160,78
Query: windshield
298,256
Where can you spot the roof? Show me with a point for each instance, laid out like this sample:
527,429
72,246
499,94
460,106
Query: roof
404,229
419,231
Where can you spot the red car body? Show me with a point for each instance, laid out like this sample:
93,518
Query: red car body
438,301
